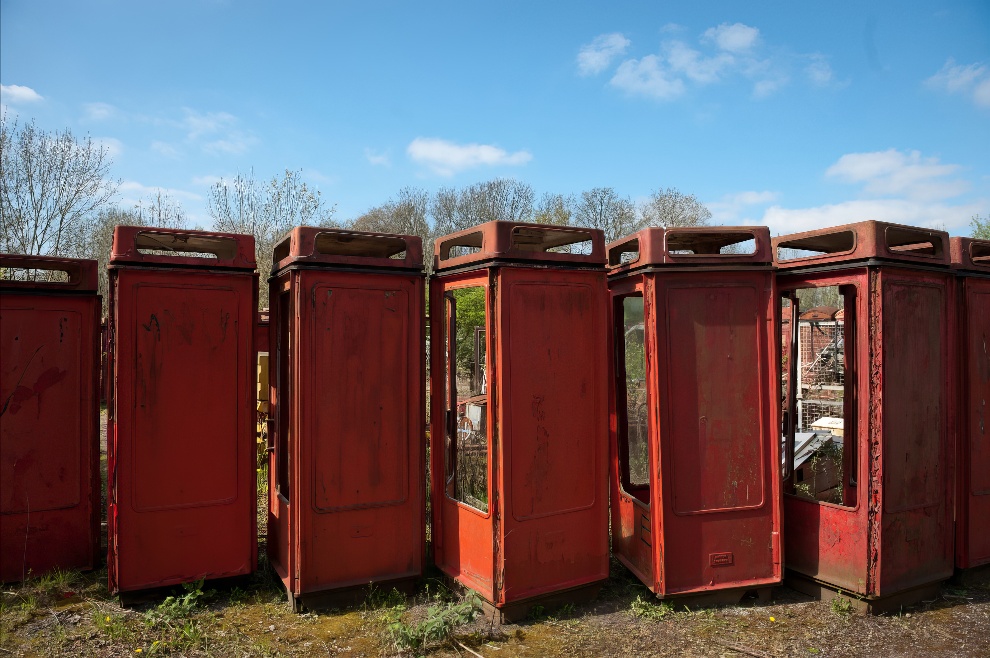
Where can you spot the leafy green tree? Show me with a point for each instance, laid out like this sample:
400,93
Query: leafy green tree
980,227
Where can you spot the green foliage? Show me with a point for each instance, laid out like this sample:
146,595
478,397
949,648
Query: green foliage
470,314
114,626
438,626
980,227
176,608
650,610
841,605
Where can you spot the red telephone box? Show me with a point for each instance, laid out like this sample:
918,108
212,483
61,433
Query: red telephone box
519,417
696,507
971,262
182,478
49,416
868,386
347,369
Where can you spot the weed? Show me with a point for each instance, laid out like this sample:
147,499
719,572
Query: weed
388,606
566,610
174,608
57,581
841,605
439,625
650,610
114,626
536,612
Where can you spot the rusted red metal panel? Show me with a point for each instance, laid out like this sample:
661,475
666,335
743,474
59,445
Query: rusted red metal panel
181,447
347,469
696,409
49,417
891,534
862,241
519,412
972,267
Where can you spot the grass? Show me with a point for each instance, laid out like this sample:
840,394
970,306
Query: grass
650,610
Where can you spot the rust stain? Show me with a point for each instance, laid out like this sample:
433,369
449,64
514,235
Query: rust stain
6,403
153,322
22,394
875,435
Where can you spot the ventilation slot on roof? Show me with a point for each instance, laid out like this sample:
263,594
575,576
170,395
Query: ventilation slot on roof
840,242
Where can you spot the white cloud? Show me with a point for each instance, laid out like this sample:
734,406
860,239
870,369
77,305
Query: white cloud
954,218
208,180
722,54
17,95
99,111
377,159
735,38
647,77
595,57
892,172
234,143
133,192
447,158
731,207
903,187
972,80
704,70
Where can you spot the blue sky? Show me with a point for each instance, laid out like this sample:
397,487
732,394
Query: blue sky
792,114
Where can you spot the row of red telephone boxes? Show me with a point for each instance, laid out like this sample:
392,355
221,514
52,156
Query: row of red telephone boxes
689,347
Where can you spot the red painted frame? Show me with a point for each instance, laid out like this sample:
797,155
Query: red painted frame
347,386
546,530
49,419
182,485
889,542
687,298
973,451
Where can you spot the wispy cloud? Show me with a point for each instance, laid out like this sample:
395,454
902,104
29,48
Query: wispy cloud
595,57
165,149
735,38
721,54
114,147
448,158
897,173
647,77
733,208
133,193
99,111
378,159
904,187
216,133
972,80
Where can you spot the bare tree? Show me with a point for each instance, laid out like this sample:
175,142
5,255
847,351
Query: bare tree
161,210
603,209
49,184
669,207
267,211
406,214
554,209
500,199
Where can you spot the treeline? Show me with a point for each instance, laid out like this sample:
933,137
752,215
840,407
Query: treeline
57,198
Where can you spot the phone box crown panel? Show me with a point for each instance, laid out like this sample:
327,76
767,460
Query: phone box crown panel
142,245
311,245
81,274
720,246
862,241
970,254
518,241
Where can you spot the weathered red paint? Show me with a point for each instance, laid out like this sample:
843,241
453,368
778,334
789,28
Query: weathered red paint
49,418
537,527
703,516
892,540
181,414
347,467
969,261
